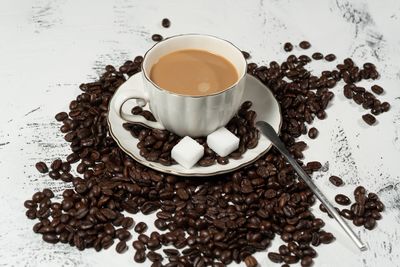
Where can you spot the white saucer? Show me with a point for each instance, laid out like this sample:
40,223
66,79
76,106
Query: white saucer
264,104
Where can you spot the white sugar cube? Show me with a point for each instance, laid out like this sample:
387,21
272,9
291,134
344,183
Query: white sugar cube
223,142
187,152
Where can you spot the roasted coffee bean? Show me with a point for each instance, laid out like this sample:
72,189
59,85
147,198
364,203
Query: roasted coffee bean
306,261
72,158
313,133
376,111
29,204
141,227
359,190
143,238
140,256
166,23
336,181
358,98
50,238
376,215
124,235
289,259
288,47
250,261
358,221
61,116
369,119
127,223
348,93
317,56
377,89
330,57
156,37
226,257
154,256
223,160
31,213
304,45
322,208
121,247
385,106
348,214
48,193
41,167
160,224
342,199
246,55
284,250
153,244
275,257
314,165
138,245
37,197
54,175
326,238
370,223
56,165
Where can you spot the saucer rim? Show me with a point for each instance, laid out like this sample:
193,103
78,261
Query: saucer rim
149,164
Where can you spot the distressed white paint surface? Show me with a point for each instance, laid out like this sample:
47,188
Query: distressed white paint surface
49,47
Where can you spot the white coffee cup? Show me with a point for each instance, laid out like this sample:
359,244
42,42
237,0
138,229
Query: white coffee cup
181,114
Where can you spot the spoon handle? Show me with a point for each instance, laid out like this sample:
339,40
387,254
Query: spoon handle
270,133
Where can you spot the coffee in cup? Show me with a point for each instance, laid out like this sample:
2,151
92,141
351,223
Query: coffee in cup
193,72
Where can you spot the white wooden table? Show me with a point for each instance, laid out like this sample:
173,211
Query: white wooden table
49,47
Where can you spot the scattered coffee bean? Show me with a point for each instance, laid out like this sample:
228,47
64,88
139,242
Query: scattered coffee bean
275,257
140,256
369,119
41,167
304,45
288,47
307,261
336,181
348,214
246,54
141,227
156,37
385,106
317,56
342,200
313,133
138,245
370,223
377,89
50,238
121,247
154,256
61,116
166,23
330,57
250,261
127,223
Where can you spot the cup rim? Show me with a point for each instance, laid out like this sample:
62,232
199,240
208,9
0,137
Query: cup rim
194,34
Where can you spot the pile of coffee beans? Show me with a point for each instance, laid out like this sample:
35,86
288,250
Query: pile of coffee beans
351,74
364,212
156,145
210,221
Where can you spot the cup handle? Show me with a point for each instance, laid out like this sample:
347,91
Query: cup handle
140,95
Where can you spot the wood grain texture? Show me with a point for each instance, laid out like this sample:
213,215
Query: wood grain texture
49,47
